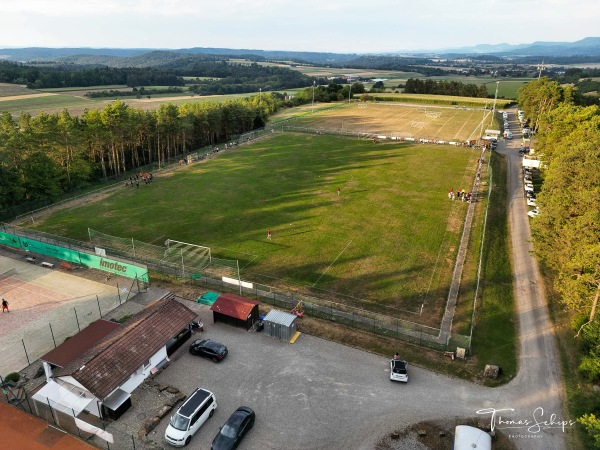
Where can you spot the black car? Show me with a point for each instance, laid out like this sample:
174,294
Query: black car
234,429
208,349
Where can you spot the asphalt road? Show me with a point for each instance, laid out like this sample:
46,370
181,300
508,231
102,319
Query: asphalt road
316,394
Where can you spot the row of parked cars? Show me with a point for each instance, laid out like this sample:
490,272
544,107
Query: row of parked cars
530,191
507,133
201,406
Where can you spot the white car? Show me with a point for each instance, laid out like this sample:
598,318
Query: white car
398,370
529,187
531,202
533,213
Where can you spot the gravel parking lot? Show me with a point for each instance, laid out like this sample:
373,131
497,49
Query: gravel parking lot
314,394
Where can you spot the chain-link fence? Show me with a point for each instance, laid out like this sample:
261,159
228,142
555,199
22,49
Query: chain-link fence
55,327
384,325
86,426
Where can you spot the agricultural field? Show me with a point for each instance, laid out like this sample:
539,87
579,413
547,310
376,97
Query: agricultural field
9,90
393,120
76,102
386,243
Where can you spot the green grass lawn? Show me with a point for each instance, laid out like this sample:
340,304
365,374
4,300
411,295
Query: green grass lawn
35,104
388,239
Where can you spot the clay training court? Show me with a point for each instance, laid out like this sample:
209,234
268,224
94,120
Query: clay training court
37,297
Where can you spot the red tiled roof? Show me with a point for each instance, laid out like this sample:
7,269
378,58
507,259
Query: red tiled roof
111,361
234,306
78,344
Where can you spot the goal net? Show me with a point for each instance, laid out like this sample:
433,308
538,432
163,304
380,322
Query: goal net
182,257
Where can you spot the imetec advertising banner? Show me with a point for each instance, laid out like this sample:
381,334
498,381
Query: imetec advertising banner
84,259
9,239
50,250
112,266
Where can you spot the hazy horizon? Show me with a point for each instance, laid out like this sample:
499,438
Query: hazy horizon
340,27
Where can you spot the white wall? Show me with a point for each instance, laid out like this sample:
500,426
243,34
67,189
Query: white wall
143,372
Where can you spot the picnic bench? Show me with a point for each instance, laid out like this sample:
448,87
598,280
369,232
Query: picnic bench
31,259
65,265
47,265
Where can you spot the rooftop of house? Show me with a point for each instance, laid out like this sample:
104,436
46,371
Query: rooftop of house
113,359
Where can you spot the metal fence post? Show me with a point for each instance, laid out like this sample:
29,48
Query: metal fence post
77,319
133,441
78,432
26,355
51,411
99,310
52,333
118,293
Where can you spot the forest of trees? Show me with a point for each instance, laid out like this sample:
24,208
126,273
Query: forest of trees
443,87
567,232
44,156
227,77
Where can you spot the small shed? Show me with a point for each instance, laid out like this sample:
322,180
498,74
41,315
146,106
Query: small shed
235,310
279,324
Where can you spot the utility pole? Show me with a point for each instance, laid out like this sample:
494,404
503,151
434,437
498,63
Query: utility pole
349,92
313,102
541,68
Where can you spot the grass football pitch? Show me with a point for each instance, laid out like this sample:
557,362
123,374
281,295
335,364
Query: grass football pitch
397,120
385,243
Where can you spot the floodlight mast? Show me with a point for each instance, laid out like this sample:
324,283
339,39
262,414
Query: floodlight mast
495,96
313,101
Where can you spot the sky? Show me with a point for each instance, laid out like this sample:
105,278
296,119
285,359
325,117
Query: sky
348,26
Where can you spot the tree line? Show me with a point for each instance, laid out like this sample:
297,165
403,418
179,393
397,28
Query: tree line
566,233
227,78
47,155
443,87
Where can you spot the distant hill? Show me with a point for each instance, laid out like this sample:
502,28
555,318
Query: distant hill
40,53
138,57
589,46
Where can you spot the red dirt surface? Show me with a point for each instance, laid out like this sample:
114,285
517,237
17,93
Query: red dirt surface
19,430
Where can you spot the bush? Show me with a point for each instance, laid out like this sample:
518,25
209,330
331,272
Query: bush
12,377
590,367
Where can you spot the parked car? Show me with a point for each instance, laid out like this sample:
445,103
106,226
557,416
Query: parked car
206,348
398,370
236,427
534,212
191,415
531,202
529,187
530,194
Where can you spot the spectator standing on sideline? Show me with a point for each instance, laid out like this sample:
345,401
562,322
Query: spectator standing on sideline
5,305
269,234
338,191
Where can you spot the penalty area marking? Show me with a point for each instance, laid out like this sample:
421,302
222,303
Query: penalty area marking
332,263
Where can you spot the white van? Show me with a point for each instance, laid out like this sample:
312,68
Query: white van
468,438
190,417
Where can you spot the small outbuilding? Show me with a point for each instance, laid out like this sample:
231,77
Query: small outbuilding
281,325
235,310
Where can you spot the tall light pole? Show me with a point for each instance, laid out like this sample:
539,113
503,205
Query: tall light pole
313,102
495,97
259,96
349,91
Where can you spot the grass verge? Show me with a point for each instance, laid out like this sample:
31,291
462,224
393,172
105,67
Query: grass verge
494,334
